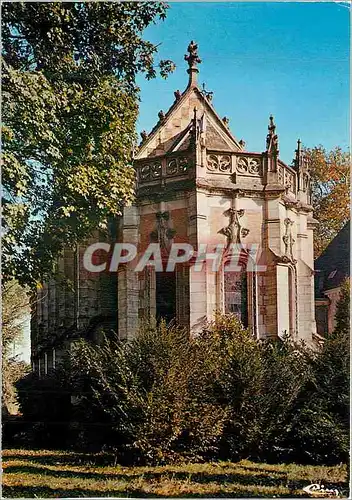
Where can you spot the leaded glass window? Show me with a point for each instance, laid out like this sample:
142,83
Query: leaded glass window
235,294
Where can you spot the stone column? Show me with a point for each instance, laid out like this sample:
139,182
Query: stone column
182,295
272,247
128,283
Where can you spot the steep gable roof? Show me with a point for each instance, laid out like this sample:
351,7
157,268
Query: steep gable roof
172,132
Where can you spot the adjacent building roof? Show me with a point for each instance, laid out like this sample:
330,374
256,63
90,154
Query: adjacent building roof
333,265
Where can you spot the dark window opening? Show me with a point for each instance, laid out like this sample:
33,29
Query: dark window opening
165,296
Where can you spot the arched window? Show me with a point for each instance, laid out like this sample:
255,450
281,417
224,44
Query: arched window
240,291
236,293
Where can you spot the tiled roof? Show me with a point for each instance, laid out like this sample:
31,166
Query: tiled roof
333,265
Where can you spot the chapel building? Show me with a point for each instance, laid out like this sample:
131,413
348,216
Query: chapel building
197,184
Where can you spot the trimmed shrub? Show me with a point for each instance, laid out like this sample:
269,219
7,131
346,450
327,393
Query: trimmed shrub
165,397
157,392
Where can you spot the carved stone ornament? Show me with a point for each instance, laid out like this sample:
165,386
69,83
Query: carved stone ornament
249,166
288,181
234,232
192,58
301,161
226,121
155,171
272,140
177,95
280,174
163,234
288,241
172,167
219,163
178,166
144,135
150,172
144,172
161,115
206,93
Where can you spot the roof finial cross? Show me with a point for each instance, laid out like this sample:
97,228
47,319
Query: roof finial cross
193,59
206,93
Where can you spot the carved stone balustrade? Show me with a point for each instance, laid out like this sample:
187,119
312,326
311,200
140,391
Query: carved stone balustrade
241,167
248,168
154,170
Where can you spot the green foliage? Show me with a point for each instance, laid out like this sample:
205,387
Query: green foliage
316,436
318,430
46,405
259,383
70,104
342,316
157,391
167,397
330,177
15,309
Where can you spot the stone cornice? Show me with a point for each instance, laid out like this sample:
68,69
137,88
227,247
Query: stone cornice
167,191
220,186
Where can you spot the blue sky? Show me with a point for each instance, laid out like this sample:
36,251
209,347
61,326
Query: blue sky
288,59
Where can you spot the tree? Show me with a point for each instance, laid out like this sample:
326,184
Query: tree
319,427
15,308
330,174
320,424
342,316
70,103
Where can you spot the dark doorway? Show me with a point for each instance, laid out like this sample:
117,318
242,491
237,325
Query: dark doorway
165,296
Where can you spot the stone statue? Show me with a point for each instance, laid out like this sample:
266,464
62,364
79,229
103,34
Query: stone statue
177,95
272,140
288,241
234,232
144,135
163,234
226,121
161,115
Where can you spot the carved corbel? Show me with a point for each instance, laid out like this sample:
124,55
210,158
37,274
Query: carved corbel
163,234
234,232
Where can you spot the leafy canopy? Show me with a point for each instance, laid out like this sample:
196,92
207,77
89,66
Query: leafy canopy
330,173
70,105
15,311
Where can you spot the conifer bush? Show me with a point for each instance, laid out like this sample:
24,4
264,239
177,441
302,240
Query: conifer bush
157,392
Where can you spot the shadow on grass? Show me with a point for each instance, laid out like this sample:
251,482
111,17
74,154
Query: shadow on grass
46,492
258,479
64,459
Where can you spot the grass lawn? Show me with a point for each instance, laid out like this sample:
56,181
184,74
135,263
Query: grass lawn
63,474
